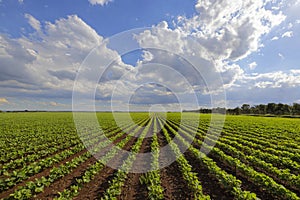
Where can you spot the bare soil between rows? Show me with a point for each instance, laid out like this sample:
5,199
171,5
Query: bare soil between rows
175,187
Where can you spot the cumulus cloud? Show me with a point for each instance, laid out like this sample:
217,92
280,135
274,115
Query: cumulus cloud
162,37
100,2
277,86
153,94
229,29
63,74
295,71
147,56
53,103
252,65
222,33
287,34
278,79
46,64
290,25
186,58
3,100
15,61
281,56
33,22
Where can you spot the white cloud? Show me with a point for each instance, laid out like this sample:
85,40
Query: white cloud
38,66
263,84
277,79
226,29
3,100
230,29
14,61
100,2
33,22
295,71
255,88
222,32
275,38
147,56
287,34
162,37
55,104
290,25
281,56
20,1
252,65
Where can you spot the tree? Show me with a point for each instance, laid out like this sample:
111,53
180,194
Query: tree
205,110
262,109
254,109
287,110
245,109
296,109
271,108
219,110
278,109
237,110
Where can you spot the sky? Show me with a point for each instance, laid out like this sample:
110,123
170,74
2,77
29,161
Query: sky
140,54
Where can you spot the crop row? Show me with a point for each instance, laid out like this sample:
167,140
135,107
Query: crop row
257,178
117,183
152,178
22,174
228,181
73,190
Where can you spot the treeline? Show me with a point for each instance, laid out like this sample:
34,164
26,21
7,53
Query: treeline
261,109
270,108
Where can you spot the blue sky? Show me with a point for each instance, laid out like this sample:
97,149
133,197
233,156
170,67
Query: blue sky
107,20
252,45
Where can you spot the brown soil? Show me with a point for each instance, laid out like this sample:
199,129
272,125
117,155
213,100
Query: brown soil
278,180
210,184
39,175
175,187
132,188
41,158
50,155
96,187
246,184
59,185
48,191
171,177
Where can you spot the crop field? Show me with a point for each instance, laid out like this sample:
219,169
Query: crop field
43,157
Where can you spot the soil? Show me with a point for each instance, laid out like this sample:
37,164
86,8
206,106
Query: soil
44,173
133,189
246,184
210,184
175,187
58,185
96,187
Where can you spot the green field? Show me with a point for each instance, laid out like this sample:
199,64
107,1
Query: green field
42,157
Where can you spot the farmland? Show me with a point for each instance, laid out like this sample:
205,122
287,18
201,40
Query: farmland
42,157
